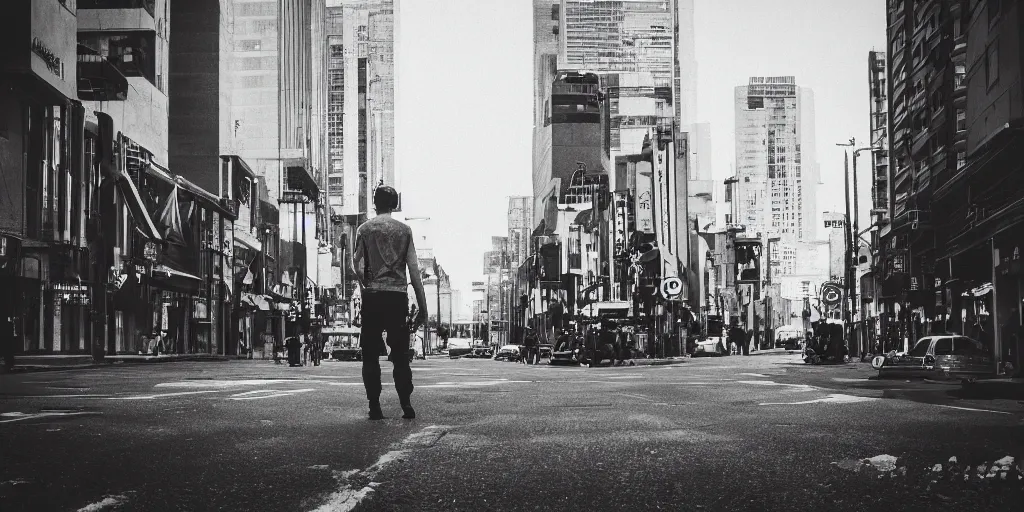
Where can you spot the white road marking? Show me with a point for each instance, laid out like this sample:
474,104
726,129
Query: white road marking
801,387
161,395
21,416
753,375
221,383
268,393
470,384
970,409
835,398
627,377
107,502
347,497
61,396
641,397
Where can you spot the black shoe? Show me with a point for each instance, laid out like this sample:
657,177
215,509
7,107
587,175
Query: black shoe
408,411
375,412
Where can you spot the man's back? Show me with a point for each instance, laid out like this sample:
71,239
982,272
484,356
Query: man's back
383,244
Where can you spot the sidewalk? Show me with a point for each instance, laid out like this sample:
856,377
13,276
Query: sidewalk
42,363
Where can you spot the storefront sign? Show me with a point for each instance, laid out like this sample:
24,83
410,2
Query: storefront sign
293,197
71,294
643,203
620,222
53,62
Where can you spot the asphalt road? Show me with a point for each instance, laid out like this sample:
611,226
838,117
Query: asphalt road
734,433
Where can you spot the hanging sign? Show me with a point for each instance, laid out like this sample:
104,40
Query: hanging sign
71,294
831,294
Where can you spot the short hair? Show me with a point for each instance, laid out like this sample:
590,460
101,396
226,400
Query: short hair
385,199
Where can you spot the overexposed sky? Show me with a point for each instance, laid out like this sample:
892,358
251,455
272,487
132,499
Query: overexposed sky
464,91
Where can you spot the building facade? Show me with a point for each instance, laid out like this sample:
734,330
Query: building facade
776,196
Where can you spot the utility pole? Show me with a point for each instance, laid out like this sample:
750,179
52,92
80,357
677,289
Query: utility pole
848,280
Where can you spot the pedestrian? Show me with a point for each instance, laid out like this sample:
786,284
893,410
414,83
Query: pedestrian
385,255
278,349
294,347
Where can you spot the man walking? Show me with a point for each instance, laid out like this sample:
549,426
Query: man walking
384,260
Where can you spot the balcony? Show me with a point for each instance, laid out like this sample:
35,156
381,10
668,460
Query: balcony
98,78
147,5
130,52
920,141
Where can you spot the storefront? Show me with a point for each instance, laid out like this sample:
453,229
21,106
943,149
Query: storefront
1009,297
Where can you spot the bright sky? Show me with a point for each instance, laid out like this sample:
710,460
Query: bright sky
464,101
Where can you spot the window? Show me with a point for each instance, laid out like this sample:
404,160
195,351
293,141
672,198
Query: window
992,64
961,160
921,349
257,9
248,45
967,347
944,347
961,120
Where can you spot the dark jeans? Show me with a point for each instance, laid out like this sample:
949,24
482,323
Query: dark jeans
385,312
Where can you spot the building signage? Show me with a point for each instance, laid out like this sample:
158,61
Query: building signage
831,294
293,197
53,62
71,294
620,222
643,203
835,223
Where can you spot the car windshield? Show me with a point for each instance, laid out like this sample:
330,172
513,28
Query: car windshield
921,349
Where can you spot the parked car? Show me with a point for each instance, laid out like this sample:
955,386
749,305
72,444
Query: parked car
479,352
509,353
950,356
711,346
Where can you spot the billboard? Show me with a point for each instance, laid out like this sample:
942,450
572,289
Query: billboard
644,201
836,224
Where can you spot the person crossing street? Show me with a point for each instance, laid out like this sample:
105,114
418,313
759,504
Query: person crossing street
384,260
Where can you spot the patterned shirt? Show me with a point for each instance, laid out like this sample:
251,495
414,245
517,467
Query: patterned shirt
383,245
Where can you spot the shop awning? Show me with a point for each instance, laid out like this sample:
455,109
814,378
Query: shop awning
203,197
133,200
247,240
299,178
260,302
175,280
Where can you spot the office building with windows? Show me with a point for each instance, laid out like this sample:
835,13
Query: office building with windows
775,161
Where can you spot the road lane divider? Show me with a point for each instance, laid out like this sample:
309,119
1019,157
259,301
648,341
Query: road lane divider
354,486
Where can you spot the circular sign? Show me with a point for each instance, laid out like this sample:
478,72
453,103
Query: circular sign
876,363
671,287
831,294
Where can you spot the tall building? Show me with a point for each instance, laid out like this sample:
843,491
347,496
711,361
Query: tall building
775,196
572,137
520,224
275,118
361,96
878,95
700,152
927,89
643,52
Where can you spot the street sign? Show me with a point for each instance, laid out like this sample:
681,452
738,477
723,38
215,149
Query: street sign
831,294
671,287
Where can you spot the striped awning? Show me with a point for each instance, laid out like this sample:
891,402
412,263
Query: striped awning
133,200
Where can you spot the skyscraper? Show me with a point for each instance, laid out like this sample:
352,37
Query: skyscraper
774,159
636,47
361,96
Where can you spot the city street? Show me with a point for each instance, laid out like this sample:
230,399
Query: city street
734,433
